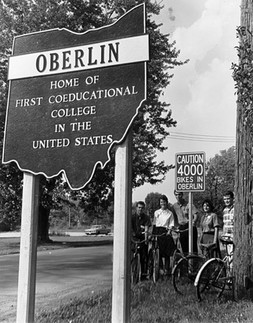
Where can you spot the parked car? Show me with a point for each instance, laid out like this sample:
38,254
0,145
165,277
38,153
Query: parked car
97,229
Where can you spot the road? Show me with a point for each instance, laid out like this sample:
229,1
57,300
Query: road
61,275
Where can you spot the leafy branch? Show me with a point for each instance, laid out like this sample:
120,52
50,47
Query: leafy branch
243,74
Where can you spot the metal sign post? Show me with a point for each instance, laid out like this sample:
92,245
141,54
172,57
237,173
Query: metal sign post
190,224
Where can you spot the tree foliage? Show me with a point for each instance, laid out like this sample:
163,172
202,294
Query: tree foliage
152,124
152,202
220,177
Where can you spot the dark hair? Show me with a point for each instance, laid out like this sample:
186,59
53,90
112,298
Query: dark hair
209,202
229,193
140,203
177,192
164,198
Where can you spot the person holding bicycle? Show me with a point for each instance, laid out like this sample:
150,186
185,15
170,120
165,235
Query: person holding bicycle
164,221
140,225
181,208
209,225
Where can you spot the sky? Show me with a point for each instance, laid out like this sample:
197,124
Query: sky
201,93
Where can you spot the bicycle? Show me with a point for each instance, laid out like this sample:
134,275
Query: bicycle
136,261
154,260
187,267
216,275
178,253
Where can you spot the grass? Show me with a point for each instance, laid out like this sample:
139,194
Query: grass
151,303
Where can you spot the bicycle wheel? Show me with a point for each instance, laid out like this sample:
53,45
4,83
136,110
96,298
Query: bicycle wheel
211,279
185,272
150,264
156,265
136,269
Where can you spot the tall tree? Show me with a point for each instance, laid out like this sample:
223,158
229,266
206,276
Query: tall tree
155,117
243,224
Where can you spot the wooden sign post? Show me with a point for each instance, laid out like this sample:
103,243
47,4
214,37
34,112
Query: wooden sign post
28,249
72,97
122,232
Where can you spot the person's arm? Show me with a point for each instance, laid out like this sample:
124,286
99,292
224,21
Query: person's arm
195,215
133,227
146,233
216,228
154,219
216,234
176,224
170,222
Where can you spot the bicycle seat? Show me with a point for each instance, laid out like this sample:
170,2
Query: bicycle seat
226,240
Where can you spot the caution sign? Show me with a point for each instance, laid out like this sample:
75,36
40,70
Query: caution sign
190,172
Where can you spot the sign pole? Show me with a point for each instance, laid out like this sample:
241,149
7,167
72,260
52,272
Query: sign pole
190,224
122,231
28,250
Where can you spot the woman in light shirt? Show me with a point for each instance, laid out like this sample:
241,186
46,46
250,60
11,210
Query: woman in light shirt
163,221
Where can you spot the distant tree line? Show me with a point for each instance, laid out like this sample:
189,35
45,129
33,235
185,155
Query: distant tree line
220,177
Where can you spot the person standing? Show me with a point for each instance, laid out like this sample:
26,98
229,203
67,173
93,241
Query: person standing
228,219
162,223
228,214
140,225
209,225
181,208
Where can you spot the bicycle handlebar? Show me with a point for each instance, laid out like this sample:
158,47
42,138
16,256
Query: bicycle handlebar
138,241
152,235
177,230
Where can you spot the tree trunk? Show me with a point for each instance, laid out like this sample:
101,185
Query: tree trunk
43,226
243,255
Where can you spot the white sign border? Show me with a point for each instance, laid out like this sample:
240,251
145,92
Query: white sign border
190,153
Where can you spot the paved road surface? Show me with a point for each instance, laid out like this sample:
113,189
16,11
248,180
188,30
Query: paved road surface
16,234
61,275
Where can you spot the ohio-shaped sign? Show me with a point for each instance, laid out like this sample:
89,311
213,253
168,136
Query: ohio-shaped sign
72,96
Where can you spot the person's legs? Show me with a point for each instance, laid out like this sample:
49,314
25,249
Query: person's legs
143,258
167,266
168,252
184,241
195,240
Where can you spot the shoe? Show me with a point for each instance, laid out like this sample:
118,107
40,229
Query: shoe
161,272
